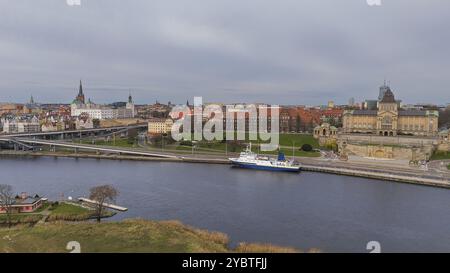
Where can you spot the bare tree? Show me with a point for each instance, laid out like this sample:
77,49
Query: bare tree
6,201
102,194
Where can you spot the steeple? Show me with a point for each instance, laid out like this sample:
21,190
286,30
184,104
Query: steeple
80,91
130,98
31,100
80,96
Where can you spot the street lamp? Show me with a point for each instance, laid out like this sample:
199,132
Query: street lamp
293,150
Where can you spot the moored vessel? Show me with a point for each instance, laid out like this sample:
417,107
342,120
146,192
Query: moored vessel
250,160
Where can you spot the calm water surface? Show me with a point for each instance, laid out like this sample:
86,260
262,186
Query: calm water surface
333,213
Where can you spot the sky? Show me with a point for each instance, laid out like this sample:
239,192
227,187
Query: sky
269,51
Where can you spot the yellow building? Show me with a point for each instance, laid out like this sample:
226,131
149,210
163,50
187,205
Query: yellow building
158,126
390,120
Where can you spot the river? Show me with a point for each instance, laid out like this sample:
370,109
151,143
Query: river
308,210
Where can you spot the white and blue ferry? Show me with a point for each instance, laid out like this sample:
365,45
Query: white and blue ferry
251,160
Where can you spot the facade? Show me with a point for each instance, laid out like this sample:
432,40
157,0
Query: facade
21,125
298,119
325,130
84,121
97,111
326,134
444,140
158,126
390,120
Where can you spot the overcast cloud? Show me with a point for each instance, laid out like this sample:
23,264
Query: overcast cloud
274,51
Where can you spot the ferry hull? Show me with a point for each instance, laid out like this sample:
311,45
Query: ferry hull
265,168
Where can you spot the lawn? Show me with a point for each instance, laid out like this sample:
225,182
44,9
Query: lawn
298,139
286,141
440,155
125,236
72,212
119,142
448,167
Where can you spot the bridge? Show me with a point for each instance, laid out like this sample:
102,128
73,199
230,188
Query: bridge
111,130
53,144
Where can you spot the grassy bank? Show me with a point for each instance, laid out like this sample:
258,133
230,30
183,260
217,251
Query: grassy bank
127,236
440,155
72,212
286,141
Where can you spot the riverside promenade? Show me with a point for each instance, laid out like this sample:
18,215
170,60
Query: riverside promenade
364,168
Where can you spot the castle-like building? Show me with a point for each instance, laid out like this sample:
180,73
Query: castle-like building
96,111
390,120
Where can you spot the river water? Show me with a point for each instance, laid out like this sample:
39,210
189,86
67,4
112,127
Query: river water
308,210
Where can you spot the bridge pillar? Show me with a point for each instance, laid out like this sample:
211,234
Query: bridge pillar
75,150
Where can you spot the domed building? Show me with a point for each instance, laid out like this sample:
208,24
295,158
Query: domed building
390,120
389,132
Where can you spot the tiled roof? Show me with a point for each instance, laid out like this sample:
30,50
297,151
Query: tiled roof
412,113
365,112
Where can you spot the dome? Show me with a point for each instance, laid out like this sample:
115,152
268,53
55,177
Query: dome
388,97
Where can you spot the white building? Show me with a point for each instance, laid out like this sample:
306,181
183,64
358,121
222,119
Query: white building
97,111
21,125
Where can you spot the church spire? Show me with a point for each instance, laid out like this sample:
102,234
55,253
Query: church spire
80,96
80,91
130,98
31,100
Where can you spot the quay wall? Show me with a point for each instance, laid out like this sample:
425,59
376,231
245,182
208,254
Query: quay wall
412,179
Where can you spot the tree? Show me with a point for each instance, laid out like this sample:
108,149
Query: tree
132,135
298,123
6,201
307,147
102,194
444,118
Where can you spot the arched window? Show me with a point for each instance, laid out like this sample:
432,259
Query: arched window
386,122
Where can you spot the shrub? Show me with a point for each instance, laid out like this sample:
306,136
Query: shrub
263,248
307,147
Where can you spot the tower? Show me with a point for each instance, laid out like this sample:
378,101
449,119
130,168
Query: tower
383,90
130,105
387,116
80,96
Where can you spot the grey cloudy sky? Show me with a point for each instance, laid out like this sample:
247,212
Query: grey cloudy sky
274,51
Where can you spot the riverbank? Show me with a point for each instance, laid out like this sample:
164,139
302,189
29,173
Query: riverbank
52,212
373,170
131,235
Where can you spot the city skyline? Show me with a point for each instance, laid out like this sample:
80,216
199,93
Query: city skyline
256,51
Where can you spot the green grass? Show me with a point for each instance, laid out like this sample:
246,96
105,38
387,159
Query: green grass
44,206
298,139
448,167
440,155
125,236
69,209
20,218
71,212
119,142
286,141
